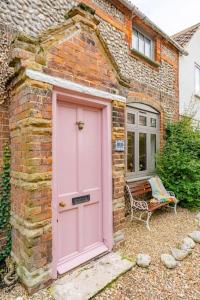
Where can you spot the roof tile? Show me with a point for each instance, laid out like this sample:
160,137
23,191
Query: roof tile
184,36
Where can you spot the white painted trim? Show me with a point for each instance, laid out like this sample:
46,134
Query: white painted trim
142,106
66,84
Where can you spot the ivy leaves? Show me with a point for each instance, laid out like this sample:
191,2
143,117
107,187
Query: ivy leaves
5,201
179,163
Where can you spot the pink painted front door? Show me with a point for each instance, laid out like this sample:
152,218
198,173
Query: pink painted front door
79,184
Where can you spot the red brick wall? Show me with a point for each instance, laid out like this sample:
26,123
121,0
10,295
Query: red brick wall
31,146
118,133
4,139
31,165
69,60
5,39
81,58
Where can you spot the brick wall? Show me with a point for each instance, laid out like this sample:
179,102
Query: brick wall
68,60
39,14
31,165
116,30
4,139
31,141
6,35
93,51
118,133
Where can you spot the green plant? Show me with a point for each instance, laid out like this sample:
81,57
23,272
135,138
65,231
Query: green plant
178,164
5,201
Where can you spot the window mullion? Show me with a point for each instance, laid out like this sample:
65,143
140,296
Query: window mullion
137,152
148,151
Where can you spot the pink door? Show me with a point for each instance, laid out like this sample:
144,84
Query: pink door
79,184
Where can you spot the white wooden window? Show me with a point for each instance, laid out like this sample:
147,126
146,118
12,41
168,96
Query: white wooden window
142,43
143,140
197,80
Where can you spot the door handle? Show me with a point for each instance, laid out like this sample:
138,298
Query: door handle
80,125
62,204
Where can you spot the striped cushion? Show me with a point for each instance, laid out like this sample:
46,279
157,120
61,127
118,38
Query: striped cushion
158,190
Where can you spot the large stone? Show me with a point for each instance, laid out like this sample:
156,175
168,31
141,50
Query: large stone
187,244
143,260
198,216
179,254
32,279
195,235
85,282
169,261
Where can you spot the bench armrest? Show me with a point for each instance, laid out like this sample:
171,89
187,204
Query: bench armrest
139,205
171,193
136,204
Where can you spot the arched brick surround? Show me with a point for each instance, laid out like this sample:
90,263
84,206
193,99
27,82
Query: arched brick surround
145,99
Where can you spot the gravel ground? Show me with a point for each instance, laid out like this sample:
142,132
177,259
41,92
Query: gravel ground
167,229
155,283
19,293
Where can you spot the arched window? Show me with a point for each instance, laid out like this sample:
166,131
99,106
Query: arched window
143,139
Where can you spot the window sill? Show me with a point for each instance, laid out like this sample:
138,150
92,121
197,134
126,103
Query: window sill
146,58
133,179
128,180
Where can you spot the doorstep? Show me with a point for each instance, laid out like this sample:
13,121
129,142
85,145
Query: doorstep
87,281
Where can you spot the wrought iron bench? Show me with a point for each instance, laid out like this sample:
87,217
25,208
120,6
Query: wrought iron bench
143,188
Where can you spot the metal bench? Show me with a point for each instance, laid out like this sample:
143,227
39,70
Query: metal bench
143,188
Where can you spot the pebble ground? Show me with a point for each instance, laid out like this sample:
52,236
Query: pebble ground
157,282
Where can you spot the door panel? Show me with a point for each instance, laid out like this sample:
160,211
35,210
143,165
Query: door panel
68,238
92,231
67,162
79,174
90,151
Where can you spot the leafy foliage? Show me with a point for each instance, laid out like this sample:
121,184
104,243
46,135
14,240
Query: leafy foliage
5,201
179,163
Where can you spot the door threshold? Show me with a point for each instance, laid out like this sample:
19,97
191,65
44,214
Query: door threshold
87,281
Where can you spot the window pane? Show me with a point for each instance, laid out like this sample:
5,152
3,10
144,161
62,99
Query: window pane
143,121
142,151
130,118
153,151
131,152
141,43
197,80
135,40
148,47
153,122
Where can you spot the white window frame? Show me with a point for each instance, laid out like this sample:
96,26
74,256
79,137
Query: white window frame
145,37
141,109
197,80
